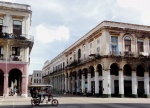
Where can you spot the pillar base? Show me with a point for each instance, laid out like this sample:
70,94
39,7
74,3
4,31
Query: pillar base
146,96
78,93
121,95
5,95
74,93
134,95
96,94
24,95
106,95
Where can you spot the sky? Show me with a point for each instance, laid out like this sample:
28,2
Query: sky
57,24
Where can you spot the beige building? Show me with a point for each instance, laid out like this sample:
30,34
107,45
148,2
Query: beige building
113,59
37,77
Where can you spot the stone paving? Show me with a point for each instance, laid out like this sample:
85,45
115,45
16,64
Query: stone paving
67,101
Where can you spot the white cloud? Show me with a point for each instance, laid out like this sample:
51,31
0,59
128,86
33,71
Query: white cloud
142,6
47,34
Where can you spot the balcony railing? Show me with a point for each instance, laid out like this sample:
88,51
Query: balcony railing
15,58
20,37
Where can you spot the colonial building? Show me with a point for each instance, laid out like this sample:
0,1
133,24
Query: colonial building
37,77
113,59
15,47
53,72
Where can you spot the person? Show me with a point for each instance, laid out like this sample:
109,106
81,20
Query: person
40,94
31,92
35,92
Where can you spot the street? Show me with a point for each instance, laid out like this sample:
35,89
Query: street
77,102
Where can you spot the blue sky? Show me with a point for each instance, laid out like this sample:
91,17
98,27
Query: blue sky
56,24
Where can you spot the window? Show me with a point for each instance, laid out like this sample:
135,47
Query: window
84,55
97,41
1,25
114,44
0,50
16,51
140,45
74,56
127,42
39,80
79,54
91,45
34,80
84,48
98,49
17,28
149,44
37,74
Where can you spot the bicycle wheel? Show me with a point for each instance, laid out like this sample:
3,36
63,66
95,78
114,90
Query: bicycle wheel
32,102
54,102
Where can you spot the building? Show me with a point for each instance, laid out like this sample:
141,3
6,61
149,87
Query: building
29,80
113,59
37,77
15,47
55,68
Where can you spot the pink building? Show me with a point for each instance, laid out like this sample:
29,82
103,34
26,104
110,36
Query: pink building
15,47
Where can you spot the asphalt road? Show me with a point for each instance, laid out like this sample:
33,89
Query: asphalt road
78,102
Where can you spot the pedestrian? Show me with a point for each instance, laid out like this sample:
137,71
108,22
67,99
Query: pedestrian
31,92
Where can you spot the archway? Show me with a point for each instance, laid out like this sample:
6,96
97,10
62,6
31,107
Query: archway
1,82
91,69
99,69
127,83
114,71
15,79
140,73
80,78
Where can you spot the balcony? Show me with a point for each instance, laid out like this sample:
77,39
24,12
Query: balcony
21,37
128,54
15,58
1,57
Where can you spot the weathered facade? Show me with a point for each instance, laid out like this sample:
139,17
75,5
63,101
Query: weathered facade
113,59
15,47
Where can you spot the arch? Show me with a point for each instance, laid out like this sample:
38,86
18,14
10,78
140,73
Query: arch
99,69
85,72
15,80
1,82
79,54
128,35
114,69
127,70
91,70
80,73
140,71
149,70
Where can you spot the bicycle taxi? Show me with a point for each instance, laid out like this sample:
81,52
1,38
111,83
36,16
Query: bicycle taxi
42,94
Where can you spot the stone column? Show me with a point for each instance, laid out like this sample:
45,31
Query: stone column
112,84
69,83
6,89
73,84
134,84
89,83
66,83
83,82
106,83
96,84
121,83
24,86
146,84
78,84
